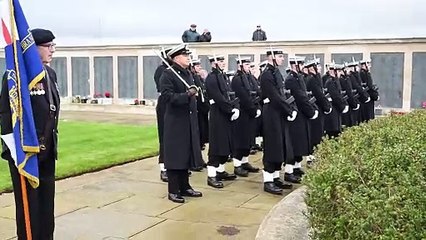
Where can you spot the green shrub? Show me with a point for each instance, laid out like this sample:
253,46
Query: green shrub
370,182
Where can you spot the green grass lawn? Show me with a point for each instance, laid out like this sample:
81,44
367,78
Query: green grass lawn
86,147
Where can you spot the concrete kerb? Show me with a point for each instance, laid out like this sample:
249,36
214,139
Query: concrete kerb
287,219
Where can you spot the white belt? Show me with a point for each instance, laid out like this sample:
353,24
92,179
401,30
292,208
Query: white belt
329,99
266,101
211,101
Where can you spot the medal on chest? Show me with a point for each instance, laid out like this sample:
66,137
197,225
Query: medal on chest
38,90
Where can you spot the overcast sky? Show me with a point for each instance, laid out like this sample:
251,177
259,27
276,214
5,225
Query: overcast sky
77,22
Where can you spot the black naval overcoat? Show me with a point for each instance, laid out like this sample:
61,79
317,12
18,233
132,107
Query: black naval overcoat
203,108
181,135
276,135
243,128
348,118
314,84
333,121
300,128
368,111
160,109
221,105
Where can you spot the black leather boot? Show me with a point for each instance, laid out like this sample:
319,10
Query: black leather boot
291,178
224,176
213,182
163,176
191,193
177,198
282,184
298,172
250,168
240,171
271,188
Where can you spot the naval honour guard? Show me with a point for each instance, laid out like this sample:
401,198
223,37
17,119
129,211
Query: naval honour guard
181,137
243,128
300,127
333,121
278,110
372,90
314,84
223,111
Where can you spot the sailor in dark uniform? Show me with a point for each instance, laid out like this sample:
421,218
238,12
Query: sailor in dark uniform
349,119
45,103
300,128
203,105
371,88
160,110
360,94
278,109
315,86
224,109
243,128
181,135
257,133
333,121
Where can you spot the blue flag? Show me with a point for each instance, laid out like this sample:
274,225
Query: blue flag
24,70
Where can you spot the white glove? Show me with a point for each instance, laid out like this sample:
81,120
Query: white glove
235,115
378,98
292,117
326,113
368,100
258,113
346,109
315,115
357,107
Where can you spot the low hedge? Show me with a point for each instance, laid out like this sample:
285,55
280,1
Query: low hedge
370,182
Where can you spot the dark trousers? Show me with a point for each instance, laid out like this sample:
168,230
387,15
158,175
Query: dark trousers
240,153
215,161
161,111
295,159
40,201
178,181
271,167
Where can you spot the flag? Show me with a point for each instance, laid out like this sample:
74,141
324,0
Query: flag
24,70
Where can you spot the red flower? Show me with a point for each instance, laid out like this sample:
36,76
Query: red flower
107,94
424,104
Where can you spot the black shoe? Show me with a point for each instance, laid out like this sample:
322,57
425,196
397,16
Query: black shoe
191,193
177,198
271,188
291,178
250,168
197,169
298,172
163,176
224,176
240,171
213,182
282,184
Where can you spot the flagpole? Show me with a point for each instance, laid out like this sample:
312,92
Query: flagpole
26,207
23,180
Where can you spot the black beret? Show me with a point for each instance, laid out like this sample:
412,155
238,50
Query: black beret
42,36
